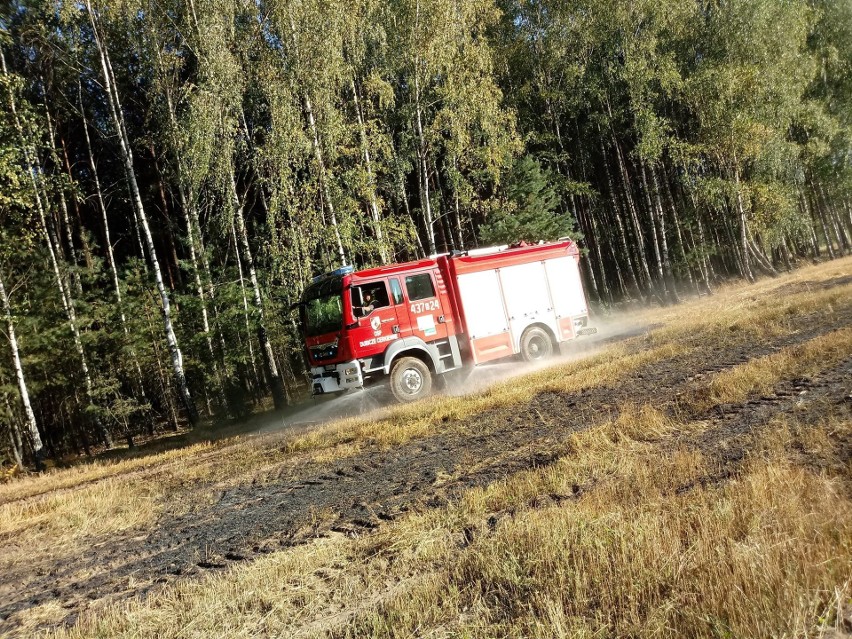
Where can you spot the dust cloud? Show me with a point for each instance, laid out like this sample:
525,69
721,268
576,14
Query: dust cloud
373,401
477,379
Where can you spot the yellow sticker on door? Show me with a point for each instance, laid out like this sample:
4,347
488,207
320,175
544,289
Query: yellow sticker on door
426,323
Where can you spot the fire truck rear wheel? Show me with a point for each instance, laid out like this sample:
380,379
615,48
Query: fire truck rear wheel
410,379
536,345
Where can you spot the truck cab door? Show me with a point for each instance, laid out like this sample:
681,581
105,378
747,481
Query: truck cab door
428,314
374,324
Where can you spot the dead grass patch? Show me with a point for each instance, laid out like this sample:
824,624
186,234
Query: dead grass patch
741,561
762,374
768,307
617,538
37,532
107,507
404,423
61,479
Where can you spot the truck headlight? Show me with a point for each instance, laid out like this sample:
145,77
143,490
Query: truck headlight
350,371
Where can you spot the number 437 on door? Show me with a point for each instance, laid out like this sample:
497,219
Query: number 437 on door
419,307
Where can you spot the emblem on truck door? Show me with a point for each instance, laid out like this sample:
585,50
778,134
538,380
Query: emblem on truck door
376,323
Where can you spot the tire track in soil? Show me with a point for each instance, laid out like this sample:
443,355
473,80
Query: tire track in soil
356,496
731,428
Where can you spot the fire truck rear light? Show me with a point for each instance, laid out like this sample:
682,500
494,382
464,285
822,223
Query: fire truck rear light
349,371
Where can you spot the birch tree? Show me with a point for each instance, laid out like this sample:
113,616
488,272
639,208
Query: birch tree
127,157
197,163
32,167
14,196
32,426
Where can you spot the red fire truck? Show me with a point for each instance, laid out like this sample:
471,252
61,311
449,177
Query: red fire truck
418,320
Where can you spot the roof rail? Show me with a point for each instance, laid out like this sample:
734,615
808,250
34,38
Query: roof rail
487,250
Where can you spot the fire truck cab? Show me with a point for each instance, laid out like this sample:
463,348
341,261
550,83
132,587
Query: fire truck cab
414,321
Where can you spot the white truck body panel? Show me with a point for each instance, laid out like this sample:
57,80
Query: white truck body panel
566,287
482,298
501,303
527,295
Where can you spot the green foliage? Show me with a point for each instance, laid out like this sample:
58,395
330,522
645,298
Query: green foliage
531,211
525,120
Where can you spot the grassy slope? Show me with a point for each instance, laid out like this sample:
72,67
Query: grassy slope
602,542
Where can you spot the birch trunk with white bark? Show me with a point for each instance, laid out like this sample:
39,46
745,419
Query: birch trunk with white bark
423,173
32,426
33,171
276,385
371,182
67,233
744,248
110,254
139,209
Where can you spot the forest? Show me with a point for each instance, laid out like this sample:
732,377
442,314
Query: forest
173,172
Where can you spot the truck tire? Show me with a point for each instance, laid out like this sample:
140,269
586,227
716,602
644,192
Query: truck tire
410,379
536,345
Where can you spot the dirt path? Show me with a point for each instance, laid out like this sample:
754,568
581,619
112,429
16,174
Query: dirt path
291,505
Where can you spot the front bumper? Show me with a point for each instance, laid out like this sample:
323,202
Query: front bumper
336,377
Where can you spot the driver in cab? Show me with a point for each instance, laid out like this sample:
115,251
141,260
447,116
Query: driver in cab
369,304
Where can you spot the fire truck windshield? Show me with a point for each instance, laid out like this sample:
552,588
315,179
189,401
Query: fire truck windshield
322,307
323,315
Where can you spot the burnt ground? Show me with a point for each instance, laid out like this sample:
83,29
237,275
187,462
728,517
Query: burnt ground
291,504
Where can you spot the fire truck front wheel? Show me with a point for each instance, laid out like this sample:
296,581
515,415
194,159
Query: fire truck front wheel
536,345
410,379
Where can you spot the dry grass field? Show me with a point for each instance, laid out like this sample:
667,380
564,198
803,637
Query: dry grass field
692,480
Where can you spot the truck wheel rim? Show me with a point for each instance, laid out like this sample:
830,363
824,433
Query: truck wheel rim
412,381
536,347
